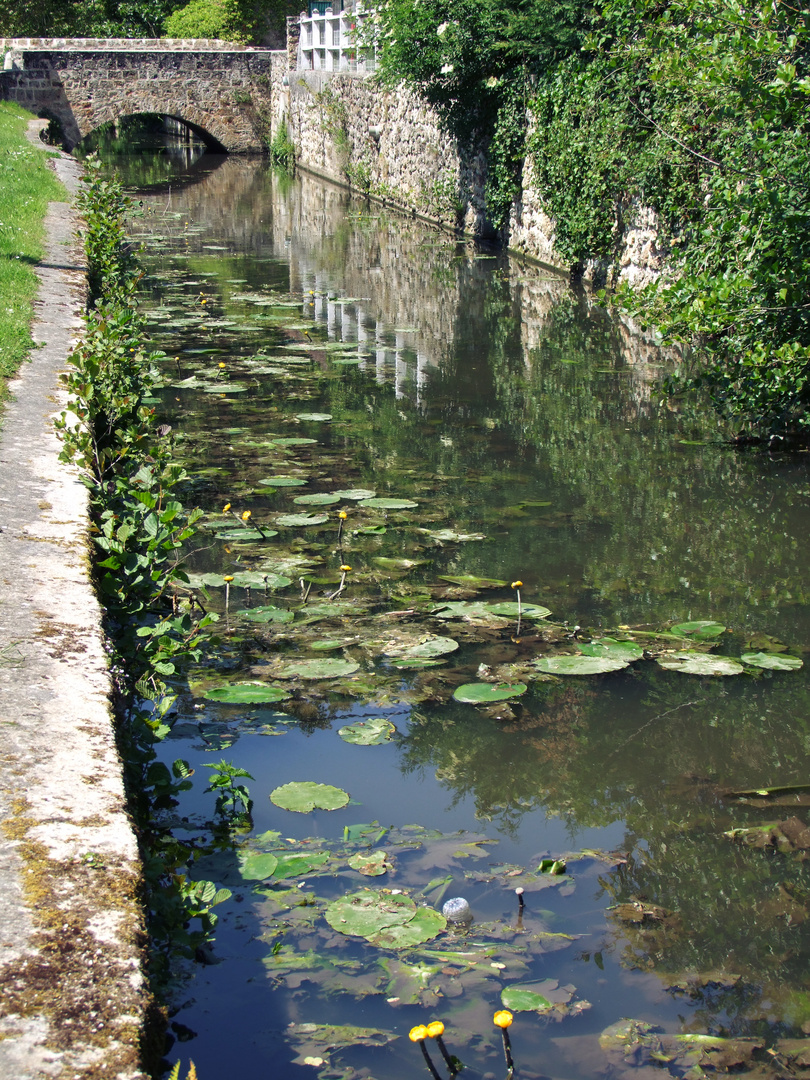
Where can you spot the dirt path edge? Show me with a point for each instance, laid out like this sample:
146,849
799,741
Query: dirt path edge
73,996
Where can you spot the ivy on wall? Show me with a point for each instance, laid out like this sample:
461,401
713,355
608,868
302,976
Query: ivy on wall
698,109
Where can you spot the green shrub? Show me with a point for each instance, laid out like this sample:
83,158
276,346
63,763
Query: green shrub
224,19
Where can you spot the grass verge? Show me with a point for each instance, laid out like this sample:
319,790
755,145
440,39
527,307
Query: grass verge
26,188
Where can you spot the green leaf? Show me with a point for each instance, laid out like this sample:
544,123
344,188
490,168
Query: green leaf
306,795
301,520
520,999
246,693
318,417
702,629
389,504
578,665
612,649
320,499
370,732
282,481
257,867
699,663
370,863
355,494
474,582
484,693
326,668
509,609
268,614
771,661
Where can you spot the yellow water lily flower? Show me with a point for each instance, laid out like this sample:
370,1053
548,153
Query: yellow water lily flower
246,515
418,1033
517,584
502,1018
435,1029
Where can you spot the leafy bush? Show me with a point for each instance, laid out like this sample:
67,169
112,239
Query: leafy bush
223,19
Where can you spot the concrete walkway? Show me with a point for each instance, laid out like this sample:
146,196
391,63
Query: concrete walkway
72,991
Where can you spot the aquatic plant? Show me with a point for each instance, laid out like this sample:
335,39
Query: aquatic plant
418,1035
503,1020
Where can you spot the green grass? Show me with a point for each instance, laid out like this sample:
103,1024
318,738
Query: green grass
26,188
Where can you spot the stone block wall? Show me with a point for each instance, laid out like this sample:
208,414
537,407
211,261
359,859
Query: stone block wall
212,89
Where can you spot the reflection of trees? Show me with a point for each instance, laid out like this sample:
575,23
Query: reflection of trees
657,753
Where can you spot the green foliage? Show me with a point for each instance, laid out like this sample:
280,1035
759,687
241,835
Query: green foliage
697,110
233,803
26,187
282,148
229,20
139,528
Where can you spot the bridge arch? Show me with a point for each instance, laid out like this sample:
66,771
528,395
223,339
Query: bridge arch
218,89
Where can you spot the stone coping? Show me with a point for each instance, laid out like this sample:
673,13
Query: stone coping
128,45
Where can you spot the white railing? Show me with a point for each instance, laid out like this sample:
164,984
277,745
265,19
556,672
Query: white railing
342,30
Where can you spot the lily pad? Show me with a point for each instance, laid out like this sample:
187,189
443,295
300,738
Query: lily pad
301,520
389,504
699,663
305,795
449,535
771,661
355,494
370,732
258,866
425,650
293,442
425,925
236,533
613,649
701,628
322,498
473,582
521,999
382,918
578,665
509,609
246,693
484,693
282,481
318,417
370,863
255,579
328,668
268,614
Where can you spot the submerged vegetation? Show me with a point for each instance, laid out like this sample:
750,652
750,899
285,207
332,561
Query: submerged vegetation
695,110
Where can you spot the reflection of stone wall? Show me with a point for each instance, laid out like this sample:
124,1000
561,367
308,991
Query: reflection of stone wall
390,144
394,281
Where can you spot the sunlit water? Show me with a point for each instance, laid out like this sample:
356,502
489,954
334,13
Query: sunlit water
511,408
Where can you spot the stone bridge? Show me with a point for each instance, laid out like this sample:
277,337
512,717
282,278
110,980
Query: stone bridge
220,90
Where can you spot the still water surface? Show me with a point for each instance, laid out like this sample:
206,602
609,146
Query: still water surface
523,424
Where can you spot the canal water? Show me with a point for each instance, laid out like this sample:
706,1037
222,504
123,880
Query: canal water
517,657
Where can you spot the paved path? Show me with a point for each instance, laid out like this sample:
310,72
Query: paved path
72,991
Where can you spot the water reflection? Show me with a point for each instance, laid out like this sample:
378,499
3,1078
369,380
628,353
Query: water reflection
507,406
153,150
